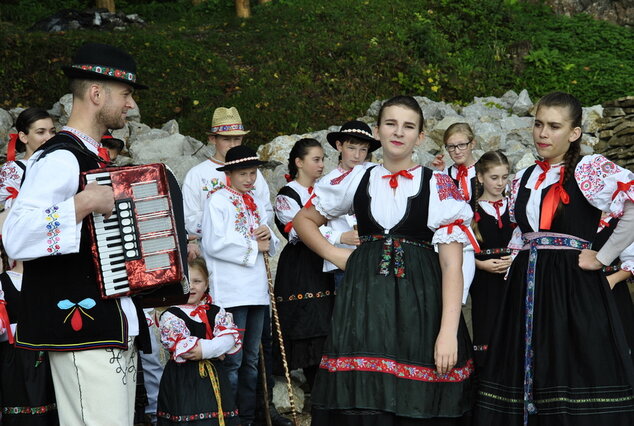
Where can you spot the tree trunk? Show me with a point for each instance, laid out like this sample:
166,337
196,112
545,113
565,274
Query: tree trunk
243,9
106,4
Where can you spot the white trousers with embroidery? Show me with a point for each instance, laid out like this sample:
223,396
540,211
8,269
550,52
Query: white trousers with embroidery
95,387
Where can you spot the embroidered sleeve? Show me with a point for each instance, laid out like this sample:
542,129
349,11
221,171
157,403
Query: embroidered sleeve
264,195
42,220
10,179
449,215
224,325
175,336
334,195
627,259
515,186
191,204
604,184
285,208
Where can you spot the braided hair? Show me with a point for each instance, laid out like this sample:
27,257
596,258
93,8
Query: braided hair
488,160
299,150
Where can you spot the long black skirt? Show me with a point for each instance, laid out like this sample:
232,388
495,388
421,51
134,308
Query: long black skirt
582,370
26,388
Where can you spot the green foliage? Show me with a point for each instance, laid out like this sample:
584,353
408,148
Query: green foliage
301,65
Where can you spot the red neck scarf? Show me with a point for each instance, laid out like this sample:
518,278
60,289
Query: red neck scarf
498,205
249,203
289,225
545,166
394,177
201,312
463,173
555,194
104,154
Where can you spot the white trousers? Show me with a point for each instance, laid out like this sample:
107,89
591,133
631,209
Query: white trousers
95,387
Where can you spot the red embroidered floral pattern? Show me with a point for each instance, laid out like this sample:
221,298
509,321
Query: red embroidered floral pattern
447,188
194,417
338,180
388,366
43,409
591,175
294,297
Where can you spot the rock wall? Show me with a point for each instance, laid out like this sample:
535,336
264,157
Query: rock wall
616,135
620,12
499,123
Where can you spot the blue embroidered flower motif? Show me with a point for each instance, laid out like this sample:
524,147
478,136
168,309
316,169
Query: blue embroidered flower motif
76,321
53,231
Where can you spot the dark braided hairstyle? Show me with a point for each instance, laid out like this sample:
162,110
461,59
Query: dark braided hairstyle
299,150
488,160
575,111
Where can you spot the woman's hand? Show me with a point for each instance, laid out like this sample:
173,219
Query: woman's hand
438,163
445,352
350,238
195,354
588,260
495,266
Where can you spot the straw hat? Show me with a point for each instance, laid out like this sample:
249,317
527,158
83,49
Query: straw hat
227,121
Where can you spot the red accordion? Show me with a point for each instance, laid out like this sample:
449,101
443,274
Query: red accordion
136,249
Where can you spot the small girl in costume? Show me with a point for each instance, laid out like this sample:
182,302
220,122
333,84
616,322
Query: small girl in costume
26,386
493,230
35,126
194,388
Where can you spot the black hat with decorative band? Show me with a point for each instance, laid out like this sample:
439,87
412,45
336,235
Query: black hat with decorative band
354,129
103,62
240,157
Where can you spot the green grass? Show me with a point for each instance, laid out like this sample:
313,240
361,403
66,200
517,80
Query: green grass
302,65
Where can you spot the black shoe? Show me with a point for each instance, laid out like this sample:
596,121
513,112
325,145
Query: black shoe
277,419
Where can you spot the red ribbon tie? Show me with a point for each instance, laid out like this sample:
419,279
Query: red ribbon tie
394,177
463,173
460,224
545,166
201,312
623,187
555,194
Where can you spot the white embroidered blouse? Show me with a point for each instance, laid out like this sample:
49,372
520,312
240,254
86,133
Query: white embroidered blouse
177,338
203,180
10,180
236,267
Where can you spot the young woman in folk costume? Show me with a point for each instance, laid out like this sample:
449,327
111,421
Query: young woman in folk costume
459,143
304,293
398,351
617,274
493,229
558,355
35,126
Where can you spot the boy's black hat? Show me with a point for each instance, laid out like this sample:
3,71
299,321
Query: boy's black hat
240,157
357,130
103,62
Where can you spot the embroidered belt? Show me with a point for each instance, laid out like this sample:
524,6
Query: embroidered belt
535,241
392,256
502,251
610,269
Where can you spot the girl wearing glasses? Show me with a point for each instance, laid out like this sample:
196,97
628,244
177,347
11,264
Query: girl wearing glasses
459,143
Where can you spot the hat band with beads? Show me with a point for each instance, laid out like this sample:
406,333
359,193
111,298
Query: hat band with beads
363,132
227,128
108,71
241,160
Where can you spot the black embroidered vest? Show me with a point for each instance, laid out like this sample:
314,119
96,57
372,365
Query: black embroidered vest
412,226
61,308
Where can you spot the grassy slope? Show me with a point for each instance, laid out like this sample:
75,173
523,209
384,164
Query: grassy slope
300,65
